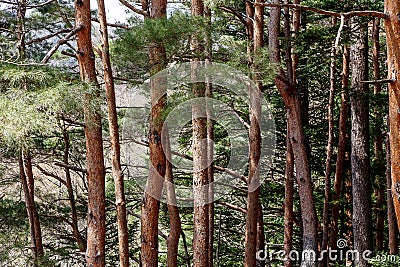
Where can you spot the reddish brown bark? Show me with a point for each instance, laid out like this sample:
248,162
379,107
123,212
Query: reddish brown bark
201,232
95,250
28,205
291,98
392,25
174,219
123,245
341,154
392,224
31,190
150,202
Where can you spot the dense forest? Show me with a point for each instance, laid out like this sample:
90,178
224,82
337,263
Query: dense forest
200,133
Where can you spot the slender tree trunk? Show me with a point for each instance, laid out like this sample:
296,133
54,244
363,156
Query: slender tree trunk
28,205
95,250
31,188
150,202
329,152
392,224
341,154
378,141
392,25
254,224
210,138
174,219
291,98
201,233
21,12
361,184
123,245
289,171
78,237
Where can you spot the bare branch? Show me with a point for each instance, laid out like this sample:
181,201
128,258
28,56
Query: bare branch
235,13
115,25
40,5
60,42
134,9
66,53
50,174
74,168
379,81
231,206
40,39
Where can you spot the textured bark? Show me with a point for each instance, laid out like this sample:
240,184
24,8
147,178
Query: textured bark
360,165
21,12
289,171
68,181
201,234
341,154
123,245
210,138
35,216
329,152
392,224
378,141
174,219
254,238
95,250
392,25
150,202
292,101
28,205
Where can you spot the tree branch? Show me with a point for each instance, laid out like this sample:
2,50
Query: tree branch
40,39
134,9
74,168
115,25
60,42
40,5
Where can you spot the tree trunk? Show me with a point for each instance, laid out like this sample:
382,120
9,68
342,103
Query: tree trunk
378,141
150,202
329,152
35,216
392,25
174,219
291,98
289,171
254,219
28,205
95,251
78,237
201,234
21,12
392,224
210,138
341,154
360,164
123,245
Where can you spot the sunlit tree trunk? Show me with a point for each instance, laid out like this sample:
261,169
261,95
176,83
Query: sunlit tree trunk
123,245
150,202
95,250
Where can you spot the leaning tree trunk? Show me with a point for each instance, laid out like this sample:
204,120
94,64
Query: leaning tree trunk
392,25
292,101
80,240
27,160
123,246
150,202
360,164
96,221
